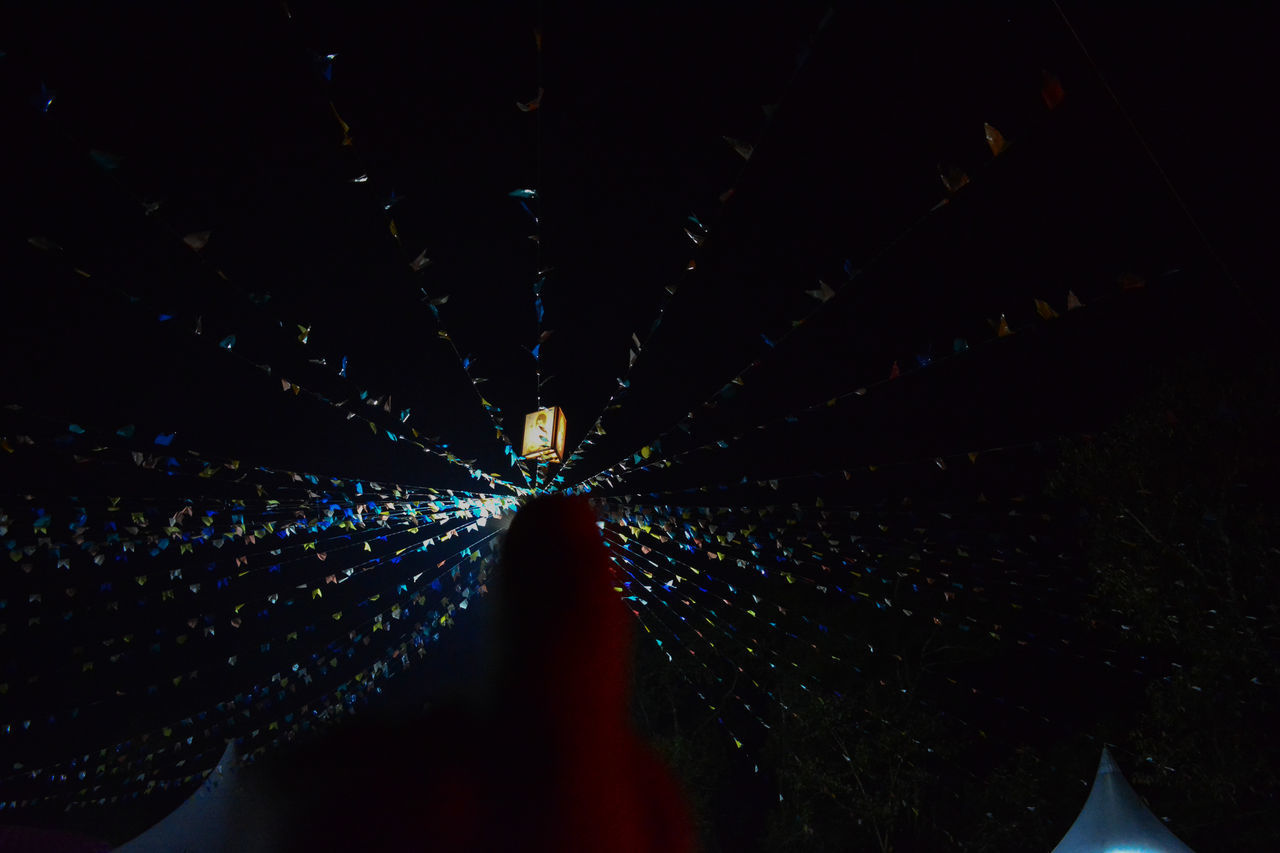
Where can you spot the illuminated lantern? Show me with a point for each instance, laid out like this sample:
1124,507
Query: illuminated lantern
544,435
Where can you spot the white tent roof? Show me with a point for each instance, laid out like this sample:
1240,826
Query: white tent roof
223,816
1114,820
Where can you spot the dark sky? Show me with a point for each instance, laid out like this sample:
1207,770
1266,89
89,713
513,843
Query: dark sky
223,114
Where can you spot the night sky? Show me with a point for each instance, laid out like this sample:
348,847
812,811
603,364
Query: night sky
128,131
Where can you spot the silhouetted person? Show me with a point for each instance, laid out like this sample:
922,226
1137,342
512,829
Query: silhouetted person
550,761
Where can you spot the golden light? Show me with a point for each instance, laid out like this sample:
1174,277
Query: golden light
544,435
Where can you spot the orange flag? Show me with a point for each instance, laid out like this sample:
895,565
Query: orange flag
1051,91
953,178
995,140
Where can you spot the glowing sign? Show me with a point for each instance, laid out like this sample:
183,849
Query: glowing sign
544,435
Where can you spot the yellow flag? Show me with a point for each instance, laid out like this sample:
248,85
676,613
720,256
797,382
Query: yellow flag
346,128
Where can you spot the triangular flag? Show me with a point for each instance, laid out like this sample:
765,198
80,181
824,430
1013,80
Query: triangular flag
995,140
346,128
1051,91
823,293
744,149
953,178
530,106
197,240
